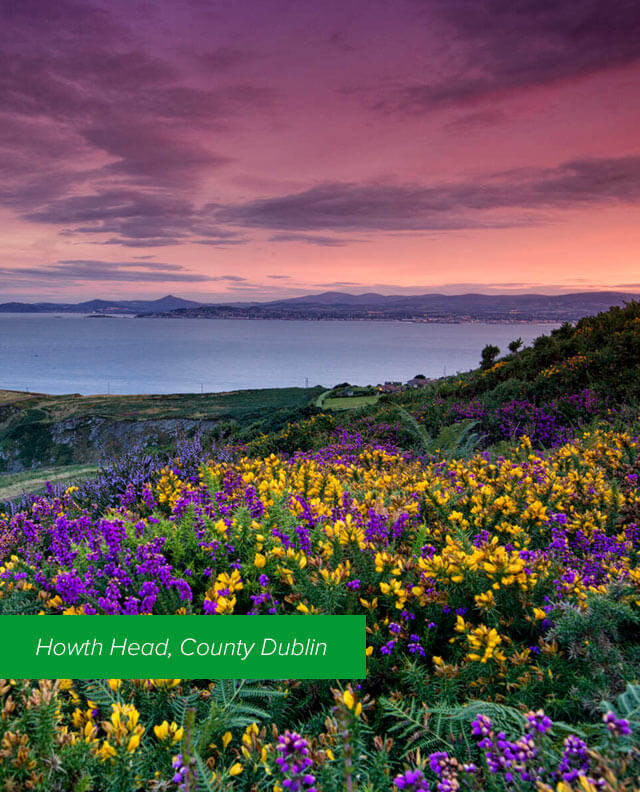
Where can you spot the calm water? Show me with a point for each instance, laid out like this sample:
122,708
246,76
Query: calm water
73,354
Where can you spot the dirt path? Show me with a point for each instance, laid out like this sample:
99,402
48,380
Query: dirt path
37,482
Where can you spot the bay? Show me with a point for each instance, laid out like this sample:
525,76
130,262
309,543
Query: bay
75,354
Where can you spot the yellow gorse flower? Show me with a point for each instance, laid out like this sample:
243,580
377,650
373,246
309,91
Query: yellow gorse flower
168,730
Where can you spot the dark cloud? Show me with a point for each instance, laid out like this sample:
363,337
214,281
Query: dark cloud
90,264
312,239
279,277
90,106
137,218
465,204
111,127
144,124
56,25
240,286
500,46
99,211
223,58
486,117
150,155
340,42
219,242
94,270
145,242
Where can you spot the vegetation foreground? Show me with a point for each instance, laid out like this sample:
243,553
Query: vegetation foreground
501,589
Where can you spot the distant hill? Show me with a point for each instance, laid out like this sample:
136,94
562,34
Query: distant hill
422,307
335,298
168,303
345,306
462,303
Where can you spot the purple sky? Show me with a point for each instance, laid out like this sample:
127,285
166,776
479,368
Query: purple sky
247,150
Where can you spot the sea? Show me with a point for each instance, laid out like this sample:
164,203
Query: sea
71,353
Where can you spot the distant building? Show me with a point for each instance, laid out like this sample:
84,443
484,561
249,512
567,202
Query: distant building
418,382
390,387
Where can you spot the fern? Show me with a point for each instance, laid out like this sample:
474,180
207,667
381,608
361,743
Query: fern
98,690
182,704
503,718
203,774
231,706
457,439
422,437
412,726
448,727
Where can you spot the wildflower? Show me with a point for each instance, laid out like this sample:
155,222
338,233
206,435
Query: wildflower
538,722
415,647
180,771
481,726
411,781
167,731
350,702
575,759
618,727
294,763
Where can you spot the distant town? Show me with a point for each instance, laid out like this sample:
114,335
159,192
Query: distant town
331,306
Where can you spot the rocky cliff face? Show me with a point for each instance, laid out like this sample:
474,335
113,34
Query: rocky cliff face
87,439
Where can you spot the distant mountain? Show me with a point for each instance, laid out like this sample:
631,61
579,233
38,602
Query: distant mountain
420,308
460,303
334,298
168,303
431,307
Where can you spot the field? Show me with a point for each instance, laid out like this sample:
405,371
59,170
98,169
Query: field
232,405
42,430
13,486
349,402
9,396
487,527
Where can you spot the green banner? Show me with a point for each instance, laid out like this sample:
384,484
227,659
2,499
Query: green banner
183,647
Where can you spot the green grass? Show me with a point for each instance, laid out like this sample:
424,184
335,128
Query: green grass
10,396
28,421
13,485
231,405
349,402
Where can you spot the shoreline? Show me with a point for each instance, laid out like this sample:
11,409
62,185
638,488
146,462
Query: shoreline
380,320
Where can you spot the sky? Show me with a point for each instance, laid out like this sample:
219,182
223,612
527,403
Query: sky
231,150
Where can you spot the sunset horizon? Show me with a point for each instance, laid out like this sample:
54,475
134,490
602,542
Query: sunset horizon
323,308
446,290
265,150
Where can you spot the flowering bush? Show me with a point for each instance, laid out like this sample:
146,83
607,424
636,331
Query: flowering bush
512,580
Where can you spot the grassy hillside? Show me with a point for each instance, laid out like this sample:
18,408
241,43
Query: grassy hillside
39,429
565,380
498,574
13,486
